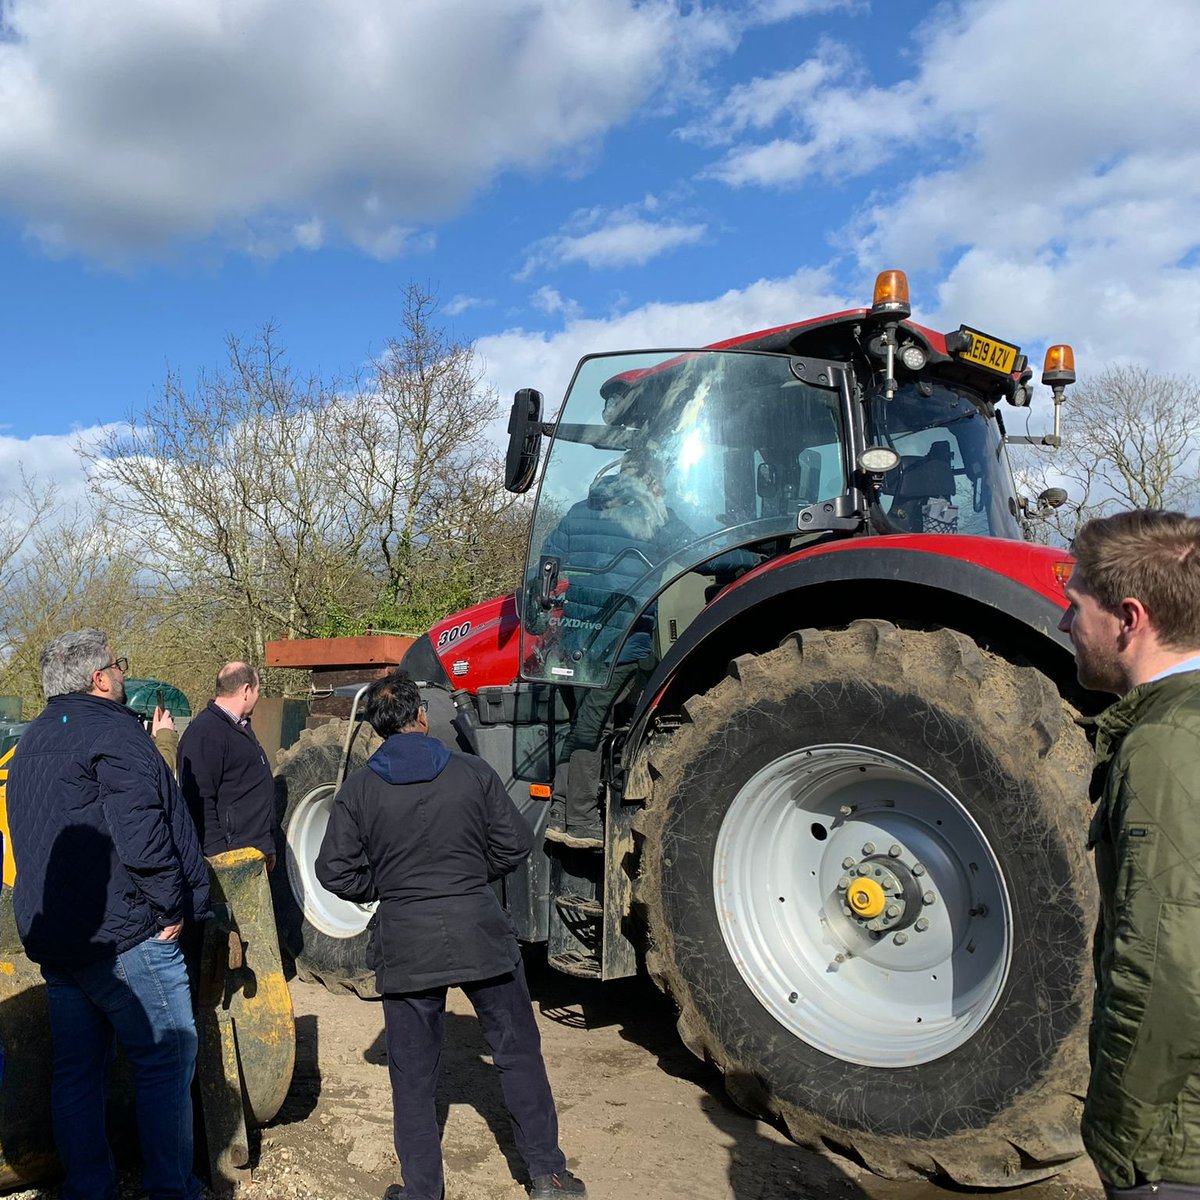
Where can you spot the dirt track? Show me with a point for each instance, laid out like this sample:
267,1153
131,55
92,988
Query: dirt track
640,1116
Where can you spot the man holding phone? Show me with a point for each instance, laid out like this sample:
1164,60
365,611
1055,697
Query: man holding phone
111,871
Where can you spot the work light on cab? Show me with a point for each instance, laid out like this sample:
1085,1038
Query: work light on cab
891,294
879,460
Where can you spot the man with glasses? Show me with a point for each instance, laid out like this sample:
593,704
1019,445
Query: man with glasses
110,874
224,772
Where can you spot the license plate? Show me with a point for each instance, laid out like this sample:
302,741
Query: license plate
989,353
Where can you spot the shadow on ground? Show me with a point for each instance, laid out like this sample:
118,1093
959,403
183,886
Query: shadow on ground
760,1166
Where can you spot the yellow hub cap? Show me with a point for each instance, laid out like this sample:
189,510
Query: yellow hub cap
866,898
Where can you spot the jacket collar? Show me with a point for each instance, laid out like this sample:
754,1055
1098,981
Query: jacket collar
87,700
1119,718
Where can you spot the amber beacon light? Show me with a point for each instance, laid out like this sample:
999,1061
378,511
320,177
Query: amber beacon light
891,294
1059,367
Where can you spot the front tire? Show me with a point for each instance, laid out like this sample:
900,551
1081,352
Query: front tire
864,877
325,937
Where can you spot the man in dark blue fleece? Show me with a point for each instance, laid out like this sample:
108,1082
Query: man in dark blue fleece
110,872
226,779
425,830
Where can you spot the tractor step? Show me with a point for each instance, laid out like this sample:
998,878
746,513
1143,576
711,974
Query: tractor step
581,965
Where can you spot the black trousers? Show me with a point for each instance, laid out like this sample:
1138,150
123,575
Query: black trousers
414,1023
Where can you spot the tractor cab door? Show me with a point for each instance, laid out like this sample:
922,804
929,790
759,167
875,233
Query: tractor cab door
662,463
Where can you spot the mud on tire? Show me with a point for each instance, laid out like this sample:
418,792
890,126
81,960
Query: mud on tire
994,1102
325,938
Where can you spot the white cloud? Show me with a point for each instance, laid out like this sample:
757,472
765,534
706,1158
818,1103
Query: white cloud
1040,184
462,303
550,300
765,100
125,128
602,238
520,358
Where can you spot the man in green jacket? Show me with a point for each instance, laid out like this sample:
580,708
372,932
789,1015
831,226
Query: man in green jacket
1134,620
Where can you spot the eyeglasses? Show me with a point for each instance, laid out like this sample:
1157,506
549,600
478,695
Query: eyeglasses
122,665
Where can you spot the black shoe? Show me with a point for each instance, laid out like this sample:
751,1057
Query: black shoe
549,1187
396,1192
558,814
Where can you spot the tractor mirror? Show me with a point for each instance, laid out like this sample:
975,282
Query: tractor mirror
1052,498
524,440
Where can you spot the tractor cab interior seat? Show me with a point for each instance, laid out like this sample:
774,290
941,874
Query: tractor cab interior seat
919,480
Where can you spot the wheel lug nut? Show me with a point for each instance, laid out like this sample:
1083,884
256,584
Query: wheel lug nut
863,869
921,925
847,863
893,910
843,883
900,939
873,923
895,850
918,869
868,847
846,810
928,898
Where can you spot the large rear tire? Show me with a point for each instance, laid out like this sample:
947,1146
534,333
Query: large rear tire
865,884
326,938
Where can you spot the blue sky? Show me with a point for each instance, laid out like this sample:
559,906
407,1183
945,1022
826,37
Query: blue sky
575,175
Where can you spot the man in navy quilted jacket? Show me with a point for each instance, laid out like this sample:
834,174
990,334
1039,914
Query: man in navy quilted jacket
109,871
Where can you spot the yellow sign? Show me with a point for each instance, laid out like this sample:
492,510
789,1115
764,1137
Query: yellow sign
989,353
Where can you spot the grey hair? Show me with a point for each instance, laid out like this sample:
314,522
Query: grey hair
70,660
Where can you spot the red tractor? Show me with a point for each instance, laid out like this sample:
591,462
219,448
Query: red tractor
841,779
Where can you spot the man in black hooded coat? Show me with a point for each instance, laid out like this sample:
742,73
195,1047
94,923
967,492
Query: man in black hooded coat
425,830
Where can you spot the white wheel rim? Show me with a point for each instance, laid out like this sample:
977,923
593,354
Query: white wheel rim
321,908
909,993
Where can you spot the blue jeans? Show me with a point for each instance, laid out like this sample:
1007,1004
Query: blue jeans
140,999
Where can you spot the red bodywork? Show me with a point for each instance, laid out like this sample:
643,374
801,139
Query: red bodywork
480,646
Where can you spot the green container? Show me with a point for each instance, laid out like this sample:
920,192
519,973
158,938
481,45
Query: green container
10,732
144,695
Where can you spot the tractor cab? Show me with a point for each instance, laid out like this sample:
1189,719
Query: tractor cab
672,463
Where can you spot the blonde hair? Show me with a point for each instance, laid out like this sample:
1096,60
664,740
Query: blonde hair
1152,556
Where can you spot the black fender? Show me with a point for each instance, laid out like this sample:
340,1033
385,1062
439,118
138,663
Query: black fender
909,586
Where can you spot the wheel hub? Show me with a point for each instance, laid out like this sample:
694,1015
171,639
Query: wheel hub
882,894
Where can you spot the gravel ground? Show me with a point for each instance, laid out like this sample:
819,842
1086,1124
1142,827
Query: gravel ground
640,1116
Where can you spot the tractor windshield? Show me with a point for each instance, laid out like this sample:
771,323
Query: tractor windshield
662,462
953,475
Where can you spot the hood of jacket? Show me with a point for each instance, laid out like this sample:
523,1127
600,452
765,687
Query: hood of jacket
409,758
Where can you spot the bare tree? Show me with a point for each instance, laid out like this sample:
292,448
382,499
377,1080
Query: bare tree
272,506
444,532
1131,439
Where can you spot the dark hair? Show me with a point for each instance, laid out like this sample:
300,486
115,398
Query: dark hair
1152,556
392,703
234,676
